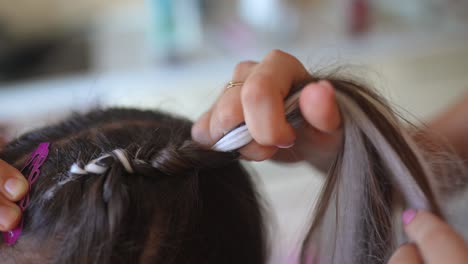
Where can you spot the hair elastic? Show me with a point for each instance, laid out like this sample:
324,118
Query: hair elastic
32,169
240,136
101,164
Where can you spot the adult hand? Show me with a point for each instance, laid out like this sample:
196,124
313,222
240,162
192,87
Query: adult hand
259,102
432,241
13,187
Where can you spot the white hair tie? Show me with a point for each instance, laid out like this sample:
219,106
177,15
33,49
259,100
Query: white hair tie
240,136
122,157
101,164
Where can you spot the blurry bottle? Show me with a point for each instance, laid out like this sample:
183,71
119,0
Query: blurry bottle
277,18
359,17
175,29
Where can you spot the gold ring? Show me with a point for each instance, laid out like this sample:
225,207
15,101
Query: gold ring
234,84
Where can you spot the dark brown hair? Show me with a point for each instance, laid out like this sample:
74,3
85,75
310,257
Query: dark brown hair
190,205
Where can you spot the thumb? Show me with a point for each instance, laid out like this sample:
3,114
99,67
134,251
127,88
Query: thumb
436,240
318,106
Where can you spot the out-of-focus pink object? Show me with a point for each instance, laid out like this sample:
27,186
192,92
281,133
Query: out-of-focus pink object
32,169
359,18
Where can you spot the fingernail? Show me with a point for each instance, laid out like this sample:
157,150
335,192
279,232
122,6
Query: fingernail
15,187
285,146
408,216
8,215
324,83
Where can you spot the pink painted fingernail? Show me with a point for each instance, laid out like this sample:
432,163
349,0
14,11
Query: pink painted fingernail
408,216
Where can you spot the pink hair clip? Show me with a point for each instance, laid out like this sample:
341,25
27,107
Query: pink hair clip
32,169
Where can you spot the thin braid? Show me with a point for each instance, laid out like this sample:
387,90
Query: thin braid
58,142
156,214
101,164
83,126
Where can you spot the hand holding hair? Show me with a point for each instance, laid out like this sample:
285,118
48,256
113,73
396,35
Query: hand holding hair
259,101
123,163
432,241
373,163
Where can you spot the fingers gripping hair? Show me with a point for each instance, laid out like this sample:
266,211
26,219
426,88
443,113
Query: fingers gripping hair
376,163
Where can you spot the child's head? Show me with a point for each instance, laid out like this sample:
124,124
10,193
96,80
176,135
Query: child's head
182,204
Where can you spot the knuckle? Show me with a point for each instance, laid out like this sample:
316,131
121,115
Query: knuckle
287,58
12,222
277,53
201,126
197,131
228,117
243,66
256,89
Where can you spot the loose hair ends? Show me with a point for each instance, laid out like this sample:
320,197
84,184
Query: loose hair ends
377,164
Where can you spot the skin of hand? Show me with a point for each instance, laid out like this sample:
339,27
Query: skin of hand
13,187
260,103
451,127
432,241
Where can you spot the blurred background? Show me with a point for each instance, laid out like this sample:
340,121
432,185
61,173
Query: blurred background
58,56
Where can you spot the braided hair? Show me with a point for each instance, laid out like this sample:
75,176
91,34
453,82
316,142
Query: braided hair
129,186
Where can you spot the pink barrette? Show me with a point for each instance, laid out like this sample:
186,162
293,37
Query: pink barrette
32,168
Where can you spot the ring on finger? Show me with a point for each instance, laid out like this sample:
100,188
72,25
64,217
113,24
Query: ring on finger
232,84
